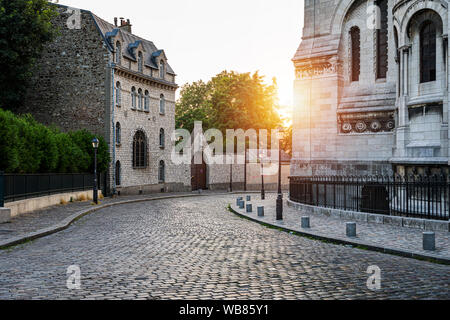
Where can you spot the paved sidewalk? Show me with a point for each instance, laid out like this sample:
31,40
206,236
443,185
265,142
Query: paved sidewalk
46,219
388,238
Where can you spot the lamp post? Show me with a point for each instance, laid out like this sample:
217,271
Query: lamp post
263,192
95,144
280,194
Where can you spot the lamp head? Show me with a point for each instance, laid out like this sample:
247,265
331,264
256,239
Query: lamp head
95,143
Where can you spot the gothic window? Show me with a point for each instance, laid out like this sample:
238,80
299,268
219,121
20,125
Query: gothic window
118,173
162,69
118,133
118,53
162,104
118,95
139,150
382,40
140,99
428,52
140,62
146,101
162,138
133,98
356,57
162,172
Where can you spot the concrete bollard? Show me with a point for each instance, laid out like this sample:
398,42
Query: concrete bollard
249,208
306,223
239,200
241,205
260,211
249,198
429,241
351,229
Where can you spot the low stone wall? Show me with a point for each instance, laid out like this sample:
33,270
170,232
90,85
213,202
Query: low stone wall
155,188
32,204
424,224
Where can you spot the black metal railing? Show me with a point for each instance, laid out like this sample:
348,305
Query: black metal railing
413,196
15,187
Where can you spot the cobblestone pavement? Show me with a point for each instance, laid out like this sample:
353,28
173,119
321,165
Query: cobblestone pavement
383,235
193,248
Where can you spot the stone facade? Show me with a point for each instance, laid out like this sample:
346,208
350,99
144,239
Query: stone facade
358,111
86,78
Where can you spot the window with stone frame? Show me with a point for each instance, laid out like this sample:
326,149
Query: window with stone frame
147,101
118,94
162,104
140,99
162,172
139,150
355,43
162,138
140,62
382,40
428,52
118,173
118,133
133,98
118,53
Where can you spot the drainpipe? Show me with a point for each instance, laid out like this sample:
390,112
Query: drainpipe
112,65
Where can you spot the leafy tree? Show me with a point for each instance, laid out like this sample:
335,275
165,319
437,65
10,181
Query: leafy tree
9,137
25,26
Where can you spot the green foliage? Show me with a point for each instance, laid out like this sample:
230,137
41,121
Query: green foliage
230,100
25,27
27,146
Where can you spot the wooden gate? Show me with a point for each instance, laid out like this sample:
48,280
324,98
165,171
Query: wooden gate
198,176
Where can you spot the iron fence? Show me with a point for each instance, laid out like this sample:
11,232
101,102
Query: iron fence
15,187
410,196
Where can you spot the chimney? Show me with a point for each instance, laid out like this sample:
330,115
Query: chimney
115,21
125,25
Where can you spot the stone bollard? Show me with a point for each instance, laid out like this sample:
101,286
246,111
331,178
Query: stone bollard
429,241
306,223
260,211
239,200
249,208
241,205
351,229
249,198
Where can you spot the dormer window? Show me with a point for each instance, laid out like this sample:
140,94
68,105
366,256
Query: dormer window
118,52
162,69
140,62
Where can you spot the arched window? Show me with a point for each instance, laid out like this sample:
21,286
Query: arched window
162,138
118,52
140,62
118,95
118,173
356,56
118,133
382,40
428,52
162,172
133,98
162,104
147,101
162,69
140,99
139,150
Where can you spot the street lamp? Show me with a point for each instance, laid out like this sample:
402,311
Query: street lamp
280,133
95,144
263,192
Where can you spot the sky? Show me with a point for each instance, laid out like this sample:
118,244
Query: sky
204,37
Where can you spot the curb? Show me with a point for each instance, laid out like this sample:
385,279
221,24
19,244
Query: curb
66,223
342,241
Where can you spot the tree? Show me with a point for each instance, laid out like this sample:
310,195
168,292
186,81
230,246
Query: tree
25,27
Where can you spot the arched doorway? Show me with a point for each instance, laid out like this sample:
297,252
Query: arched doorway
198,175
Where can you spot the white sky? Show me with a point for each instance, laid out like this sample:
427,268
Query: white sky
204,37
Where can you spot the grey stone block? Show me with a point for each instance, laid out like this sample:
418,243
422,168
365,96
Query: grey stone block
414,223
5,215
429,241
351,229
249,208
434,225
306,223
374,218
395,221
360,216
260,211
349,215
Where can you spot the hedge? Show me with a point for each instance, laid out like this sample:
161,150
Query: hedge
27,146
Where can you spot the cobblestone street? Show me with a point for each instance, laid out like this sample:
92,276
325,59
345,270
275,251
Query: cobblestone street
193,248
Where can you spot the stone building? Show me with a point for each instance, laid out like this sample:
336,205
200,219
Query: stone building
371,88
101,77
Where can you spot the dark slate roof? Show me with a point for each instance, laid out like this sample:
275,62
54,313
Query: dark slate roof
130,42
